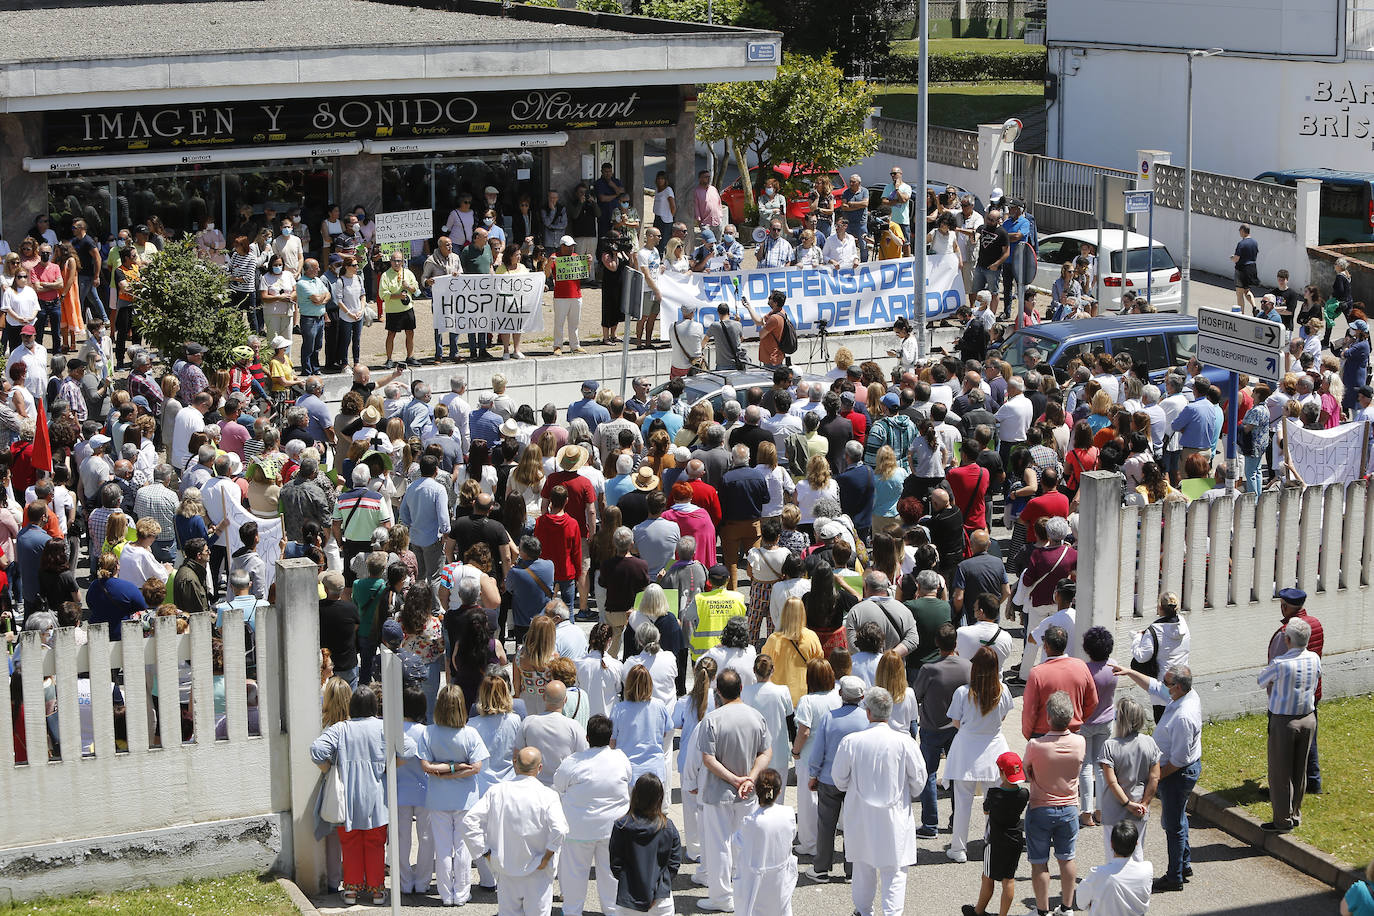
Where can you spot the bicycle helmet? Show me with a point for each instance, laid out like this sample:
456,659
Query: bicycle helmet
242,354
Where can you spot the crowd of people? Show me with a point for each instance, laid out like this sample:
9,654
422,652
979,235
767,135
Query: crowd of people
473,538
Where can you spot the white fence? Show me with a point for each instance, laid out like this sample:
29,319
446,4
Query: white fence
1226,559
128,801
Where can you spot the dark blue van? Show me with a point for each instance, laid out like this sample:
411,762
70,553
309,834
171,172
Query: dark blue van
1161,342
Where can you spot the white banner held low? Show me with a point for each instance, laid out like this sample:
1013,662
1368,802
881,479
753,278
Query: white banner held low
404,226
1320,456
869,297
489,304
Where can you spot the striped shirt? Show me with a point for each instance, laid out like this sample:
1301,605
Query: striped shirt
359,512
897,432
243,272
1291,680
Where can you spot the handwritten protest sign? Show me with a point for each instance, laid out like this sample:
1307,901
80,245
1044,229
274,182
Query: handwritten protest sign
1320,456
404,225
489,304
572,267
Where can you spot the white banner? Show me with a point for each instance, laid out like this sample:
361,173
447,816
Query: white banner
1318,456
871,296
270,532
404,226
489,304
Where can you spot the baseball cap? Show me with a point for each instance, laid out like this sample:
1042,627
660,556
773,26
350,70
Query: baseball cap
392,632
891,401
1010,765
1359,324
591,384
490,190
28,329
193,348
718,573
851,688
829,529
100,441
1366,391
847,397
567,240
707,235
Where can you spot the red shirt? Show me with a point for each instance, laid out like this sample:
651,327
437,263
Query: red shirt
705,496
581,494
970,484
1278,643
1047,505
860,423
46,272
1065,673
562,542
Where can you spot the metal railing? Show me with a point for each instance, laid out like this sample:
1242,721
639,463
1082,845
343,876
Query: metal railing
1239,200
1359,29
948,146
1060,184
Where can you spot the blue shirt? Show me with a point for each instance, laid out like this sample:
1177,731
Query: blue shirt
743,494
638,730
527,598
319,416
1292,680
425,509
1198,424
485,424
618,486
1247,251
886,492
307,287
113,600
411,779
587,409
441,744
501,734
829,732
1355,364
1021,225
671,421
418,417
31,541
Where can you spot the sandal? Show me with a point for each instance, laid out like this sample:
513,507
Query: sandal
350,898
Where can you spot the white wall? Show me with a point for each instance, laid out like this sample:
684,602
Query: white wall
1249,115
1214,241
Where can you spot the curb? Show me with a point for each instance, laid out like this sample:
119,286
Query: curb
298,898
1231,818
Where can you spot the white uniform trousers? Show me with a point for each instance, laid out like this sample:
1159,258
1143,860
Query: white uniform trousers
766,891
806,817
452,859
889,882
691,825
719,824
415,878
963,790
525,895
574,865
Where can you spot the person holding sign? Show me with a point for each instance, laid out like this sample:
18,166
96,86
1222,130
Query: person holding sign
442,263
397,287
567,296
477,259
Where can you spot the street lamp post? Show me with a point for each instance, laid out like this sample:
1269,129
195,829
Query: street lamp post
1188,180
918,238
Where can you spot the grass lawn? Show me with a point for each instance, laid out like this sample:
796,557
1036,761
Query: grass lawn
961,105
908,47
240,895
1340,821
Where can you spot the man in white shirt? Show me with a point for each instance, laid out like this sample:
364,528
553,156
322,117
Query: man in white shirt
983,310
650,264
1065,616
684,341
189,421
783,422
969,220
595,786
518,827
880,771
1013,418
840,250
217,494
1159,419
984,631
1122,886
1172,405
553,734
458,410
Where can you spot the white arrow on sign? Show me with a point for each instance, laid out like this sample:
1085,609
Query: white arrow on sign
1238,356
1242,328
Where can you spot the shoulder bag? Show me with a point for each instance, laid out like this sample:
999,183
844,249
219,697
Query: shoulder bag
693,361
1149,667
333,802
1023,592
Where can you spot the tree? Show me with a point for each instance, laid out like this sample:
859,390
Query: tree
808,114
181,297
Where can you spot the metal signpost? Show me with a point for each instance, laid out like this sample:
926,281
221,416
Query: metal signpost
1144,202
1239,343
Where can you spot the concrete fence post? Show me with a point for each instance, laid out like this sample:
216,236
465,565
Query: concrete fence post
1099,545
991,150
298,613
1148,159
1308,217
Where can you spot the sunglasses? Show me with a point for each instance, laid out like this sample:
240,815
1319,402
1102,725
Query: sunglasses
21,276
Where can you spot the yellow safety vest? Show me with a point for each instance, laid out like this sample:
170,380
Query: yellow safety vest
714,608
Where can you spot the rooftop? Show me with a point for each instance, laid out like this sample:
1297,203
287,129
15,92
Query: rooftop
220,26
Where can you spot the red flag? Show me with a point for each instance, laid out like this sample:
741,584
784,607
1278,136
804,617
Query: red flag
42,445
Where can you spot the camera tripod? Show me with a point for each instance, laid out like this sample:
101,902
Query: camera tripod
820,345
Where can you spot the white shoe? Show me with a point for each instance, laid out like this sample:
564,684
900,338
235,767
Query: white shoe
710,906
814,875
699,879
955,856
518,355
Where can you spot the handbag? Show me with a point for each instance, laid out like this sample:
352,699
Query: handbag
333,804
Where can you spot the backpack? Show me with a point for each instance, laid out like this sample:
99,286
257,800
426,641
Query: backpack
787,343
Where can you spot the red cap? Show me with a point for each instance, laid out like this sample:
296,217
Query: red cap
1010,765
28,329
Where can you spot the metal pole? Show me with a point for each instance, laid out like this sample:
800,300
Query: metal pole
1101,219
627,290
918,241
1232,427
1150,261
1188,192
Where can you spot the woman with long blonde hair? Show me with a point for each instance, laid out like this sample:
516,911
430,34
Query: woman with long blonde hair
792,647
335,696
814,486
891,676
888,480
782,488
875,392
530,670
976,710
527,479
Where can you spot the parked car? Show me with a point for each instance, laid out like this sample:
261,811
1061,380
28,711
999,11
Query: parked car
1160,342
719,387
1346,210
798,202
1165,294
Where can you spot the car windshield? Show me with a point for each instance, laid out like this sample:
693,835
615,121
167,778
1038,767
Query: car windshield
1015,350
1136,262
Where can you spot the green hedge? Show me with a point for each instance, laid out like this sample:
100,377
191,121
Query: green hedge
969,67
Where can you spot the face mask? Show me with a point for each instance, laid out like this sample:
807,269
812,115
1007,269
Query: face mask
209,227
285,230
769,191
729,239
276,269
488,223
624,206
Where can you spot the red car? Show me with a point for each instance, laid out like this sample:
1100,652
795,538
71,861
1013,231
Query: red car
798,203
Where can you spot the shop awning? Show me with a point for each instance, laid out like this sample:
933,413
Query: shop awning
465,142
194,156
